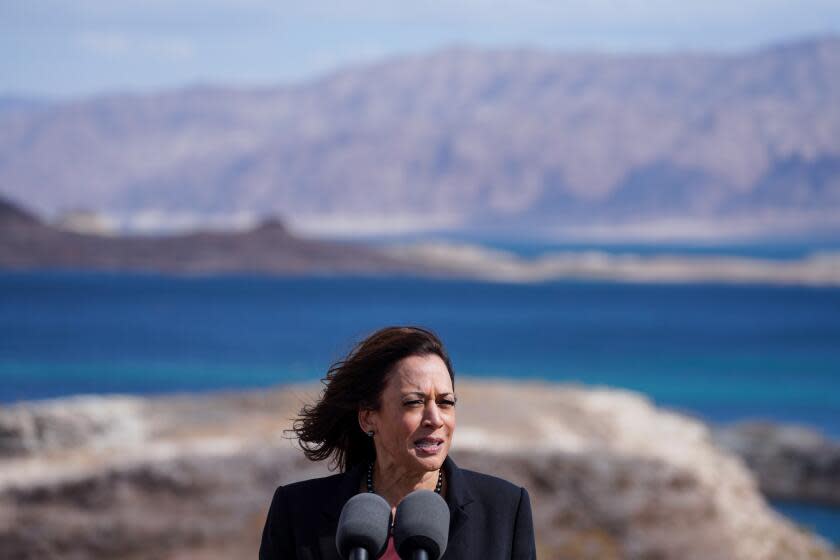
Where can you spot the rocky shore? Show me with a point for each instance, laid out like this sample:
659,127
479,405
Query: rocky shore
790,462
610,475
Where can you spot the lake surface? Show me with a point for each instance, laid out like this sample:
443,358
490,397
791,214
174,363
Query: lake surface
720,352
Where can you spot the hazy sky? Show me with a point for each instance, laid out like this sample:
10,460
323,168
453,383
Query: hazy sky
81,47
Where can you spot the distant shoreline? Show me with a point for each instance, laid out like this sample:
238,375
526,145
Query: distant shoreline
27,243
473,262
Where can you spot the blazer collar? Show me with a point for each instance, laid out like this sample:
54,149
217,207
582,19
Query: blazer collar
348,486
458,497
457,488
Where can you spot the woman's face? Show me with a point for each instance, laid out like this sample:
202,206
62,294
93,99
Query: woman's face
416,417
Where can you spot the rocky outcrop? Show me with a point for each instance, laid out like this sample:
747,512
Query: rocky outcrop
610,476
790,462
78,422
615,477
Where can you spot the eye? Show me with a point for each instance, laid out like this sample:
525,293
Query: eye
448,403
413,403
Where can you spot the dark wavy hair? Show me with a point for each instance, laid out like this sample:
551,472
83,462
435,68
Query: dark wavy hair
330,429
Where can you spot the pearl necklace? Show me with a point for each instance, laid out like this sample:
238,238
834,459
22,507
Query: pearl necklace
370,489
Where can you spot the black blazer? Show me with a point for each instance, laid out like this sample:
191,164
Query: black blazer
490,518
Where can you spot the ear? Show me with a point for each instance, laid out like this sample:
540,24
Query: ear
367,419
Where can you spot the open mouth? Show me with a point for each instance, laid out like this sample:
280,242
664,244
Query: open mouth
429,445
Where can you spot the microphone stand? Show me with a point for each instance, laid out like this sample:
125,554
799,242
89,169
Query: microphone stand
359,553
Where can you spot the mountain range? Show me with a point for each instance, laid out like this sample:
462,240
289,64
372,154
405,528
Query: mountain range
460,140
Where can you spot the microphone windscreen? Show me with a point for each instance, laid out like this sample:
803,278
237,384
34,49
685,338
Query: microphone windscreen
364,522
422,521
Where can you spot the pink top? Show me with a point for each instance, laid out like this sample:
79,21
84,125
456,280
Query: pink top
390,552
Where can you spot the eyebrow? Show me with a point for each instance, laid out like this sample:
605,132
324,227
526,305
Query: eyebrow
421,394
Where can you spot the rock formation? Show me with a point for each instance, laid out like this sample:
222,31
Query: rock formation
790,462
610,475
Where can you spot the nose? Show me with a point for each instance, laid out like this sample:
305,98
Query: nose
431,415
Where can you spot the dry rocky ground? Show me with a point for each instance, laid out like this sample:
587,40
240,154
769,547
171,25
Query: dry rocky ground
610,475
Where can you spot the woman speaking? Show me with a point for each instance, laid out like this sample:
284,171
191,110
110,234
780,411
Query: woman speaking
386,419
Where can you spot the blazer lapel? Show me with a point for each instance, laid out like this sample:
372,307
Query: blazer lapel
458,497
348,487
326,544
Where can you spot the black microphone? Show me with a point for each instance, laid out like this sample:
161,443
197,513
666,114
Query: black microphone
421,529
363,527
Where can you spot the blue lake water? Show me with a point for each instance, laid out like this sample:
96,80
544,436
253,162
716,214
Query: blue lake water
818,519
720,352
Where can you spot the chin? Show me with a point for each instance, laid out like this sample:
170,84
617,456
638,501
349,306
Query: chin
431,463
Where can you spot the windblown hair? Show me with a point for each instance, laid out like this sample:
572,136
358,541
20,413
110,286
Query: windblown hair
330,429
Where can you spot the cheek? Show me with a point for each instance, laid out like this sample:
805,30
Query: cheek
411,422
408,424
399,425
449,421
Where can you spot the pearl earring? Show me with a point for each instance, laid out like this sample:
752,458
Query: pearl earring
370,433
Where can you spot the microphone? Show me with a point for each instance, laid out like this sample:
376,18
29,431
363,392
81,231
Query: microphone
421,529
363,527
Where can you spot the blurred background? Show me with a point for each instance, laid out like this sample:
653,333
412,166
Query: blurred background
225,196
